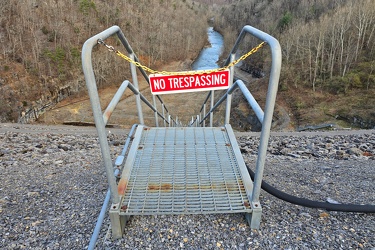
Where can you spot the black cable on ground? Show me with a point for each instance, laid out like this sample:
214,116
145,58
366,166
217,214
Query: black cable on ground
313,204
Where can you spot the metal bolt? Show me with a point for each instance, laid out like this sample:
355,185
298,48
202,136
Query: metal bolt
124,207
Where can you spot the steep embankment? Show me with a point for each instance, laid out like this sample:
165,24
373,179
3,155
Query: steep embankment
328,50
328,73
41,43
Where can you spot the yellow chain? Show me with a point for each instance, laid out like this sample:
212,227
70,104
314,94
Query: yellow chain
147,69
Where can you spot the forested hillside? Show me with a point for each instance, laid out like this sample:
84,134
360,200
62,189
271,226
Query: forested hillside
328,48
41,42
328,53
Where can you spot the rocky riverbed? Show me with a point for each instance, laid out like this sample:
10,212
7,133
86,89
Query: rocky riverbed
53,185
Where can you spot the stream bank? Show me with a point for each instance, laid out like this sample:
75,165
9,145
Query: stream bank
208,57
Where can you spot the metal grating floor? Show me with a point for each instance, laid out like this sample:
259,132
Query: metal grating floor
184,171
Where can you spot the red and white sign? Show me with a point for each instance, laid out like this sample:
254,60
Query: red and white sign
168,84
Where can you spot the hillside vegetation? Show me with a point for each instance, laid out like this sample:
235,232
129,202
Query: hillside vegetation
328,47
41,43
328,54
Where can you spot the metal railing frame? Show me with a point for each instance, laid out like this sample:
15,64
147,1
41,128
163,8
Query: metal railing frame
264,117
101,119
119,161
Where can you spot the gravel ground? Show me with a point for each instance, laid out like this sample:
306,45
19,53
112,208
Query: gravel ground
53,185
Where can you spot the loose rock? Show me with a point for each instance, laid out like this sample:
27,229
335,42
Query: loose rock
53,186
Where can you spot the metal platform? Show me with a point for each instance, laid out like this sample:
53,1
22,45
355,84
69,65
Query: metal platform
184,170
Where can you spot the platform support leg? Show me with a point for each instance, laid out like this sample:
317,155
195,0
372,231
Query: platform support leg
117,221
255,216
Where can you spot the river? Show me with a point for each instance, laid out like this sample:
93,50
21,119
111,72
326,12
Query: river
209,56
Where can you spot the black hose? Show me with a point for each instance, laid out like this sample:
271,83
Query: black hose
313,204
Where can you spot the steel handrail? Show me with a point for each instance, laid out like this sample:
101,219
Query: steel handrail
266,116
249,97
116,173
100,118
144,99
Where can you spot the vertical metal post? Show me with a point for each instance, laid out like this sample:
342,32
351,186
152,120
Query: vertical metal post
268,113
211,107
162,107
155,112
229,97
204,114
133,70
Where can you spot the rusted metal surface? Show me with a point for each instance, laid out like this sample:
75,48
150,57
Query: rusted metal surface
121,187
169,187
